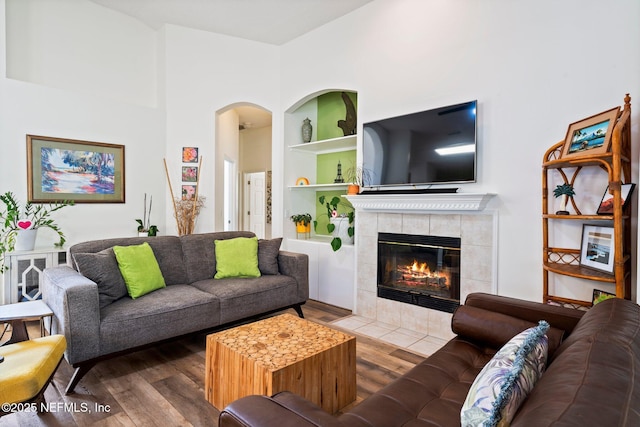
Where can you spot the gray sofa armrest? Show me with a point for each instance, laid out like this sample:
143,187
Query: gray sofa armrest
282,410
74,301
296,265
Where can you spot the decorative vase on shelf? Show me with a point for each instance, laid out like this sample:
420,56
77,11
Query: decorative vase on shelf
306,130
26,239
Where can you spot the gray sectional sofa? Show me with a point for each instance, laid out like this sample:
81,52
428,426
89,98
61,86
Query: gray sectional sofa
99,322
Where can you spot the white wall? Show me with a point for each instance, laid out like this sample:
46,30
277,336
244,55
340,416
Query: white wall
534,67
78,113
83,47
205,74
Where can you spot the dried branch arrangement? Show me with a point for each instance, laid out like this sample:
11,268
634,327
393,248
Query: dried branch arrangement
186,211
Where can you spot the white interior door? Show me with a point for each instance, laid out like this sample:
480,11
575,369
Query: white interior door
256,203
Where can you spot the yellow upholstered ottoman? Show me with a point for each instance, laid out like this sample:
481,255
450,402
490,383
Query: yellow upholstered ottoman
28,367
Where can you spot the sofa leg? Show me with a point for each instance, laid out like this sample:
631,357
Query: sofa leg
81,371
298,309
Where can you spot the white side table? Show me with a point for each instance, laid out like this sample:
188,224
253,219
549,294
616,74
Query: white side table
22,279
17,314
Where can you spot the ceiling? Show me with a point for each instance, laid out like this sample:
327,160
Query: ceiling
268,21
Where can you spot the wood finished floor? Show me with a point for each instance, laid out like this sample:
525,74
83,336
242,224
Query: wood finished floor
164,385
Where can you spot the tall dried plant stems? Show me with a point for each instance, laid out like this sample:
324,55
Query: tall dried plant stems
187,212
195,196
175,209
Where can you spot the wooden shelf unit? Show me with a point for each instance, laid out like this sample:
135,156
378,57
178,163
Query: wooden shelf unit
566,261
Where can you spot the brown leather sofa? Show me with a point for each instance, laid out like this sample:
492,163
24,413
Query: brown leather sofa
592,376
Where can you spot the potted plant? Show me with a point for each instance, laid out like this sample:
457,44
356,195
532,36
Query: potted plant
144,225
565,191
303,222
341,226
18,226
357,177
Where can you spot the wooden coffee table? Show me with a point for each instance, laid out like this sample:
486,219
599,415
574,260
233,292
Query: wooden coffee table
281,353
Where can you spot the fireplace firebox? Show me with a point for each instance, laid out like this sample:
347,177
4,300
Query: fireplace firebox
419,270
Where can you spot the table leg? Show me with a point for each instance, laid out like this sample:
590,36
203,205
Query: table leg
18,332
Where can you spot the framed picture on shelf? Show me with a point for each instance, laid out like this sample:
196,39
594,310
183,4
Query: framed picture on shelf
599,296
598,247
591,135
67,169
606,204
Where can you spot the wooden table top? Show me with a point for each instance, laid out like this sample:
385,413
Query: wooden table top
281,340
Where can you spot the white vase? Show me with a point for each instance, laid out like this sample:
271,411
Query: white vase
26,239
143,234
342,229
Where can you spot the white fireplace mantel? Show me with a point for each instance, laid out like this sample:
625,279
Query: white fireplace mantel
420,203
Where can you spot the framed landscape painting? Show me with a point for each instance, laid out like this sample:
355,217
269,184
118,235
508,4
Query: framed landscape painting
66,169
591,135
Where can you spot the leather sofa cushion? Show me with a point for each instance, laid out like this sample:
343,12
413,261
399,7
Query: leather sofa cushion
495,329
430,394
593,379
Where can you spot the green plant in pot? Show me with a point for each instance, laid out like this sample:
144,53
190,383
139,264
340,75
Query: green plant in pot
303,224
358,177
17,223
144,225
332,213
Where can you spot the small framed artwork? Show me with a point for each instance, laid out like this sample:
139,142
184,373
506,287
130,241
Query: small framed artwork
67,169
599,296
606,205
189,173
591,135
189,154
598,247
188,192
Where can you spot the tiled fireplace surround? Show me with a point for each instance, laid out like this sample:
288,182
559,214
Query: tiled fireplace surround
423,215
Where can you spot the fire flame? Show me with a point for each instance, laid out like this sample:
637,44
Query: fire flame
419,268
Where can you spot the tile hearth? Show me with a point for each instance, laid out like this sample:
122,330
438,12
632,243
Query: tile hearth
413,341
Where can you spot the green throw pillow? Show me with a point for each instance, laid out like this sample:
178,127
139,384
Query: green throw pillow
139,268
237,257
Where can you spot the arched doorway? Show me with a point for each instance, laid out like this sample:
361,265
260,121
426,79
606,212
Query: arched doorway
243,169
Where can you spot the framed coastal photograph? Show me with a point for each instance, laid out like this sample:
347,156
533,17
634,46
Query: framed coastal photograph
598,247
68,169
189,173
189,154
591,135
606,204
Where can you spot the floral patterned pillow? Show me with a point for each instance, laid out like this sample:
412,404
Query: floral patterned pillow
504,383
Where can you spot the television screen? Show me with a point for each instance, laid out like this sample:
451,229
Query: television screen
429,147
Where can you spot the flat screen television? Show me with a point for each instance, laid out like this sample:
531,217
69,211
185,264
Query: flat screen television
429,147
